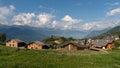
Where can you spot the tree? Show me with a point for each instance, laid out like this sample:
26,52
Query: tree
2,37
71,39
85,42
53,46
64,39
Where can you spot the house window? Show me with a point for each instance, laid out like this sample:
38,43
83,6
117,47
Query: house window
13,41
31,47
10,45
13,45
36,48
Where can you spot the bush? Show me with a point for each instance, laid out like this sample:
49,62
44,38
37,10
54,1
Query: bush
117,43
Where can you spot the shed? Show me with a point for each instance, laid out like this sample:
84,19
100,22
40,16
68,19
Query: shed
71,46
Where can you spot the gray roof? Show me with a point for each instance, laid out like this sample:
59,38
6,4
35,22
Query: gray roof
38,42
102,42
17,40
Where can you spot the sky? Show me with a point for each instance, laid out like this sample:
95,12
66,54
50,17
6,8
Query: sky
61,14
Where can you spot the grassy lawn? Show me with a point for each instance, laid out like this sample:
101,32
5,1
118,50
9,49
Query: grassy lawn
14,58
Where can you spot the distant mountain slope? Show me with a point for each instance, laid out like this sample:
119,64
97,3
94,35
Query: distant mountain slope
25,33
113,31
96,33
31,34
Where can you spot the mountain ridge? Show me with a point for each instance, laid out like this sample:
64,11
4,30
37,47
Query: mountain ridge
32,34
28,33
115,31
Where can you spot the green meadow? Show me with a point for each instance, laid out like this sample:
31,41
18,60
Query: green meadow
16,58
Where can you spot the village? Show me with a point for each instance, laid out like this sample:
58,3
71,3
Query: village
59,33
56,42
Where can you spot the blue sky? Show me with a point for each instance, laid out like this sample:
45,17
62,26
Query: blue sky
61,14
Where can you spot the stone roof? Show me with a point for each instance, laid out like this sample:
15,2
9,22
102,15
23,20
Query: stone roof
17,40
38,42
102,42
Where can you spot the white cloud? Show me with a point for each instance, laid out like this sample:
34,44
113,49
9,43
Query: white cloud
98,25
34,20
48,20
54,24
113,12
87,26
69,19
44,18
23,19
69,22
3,20
5,12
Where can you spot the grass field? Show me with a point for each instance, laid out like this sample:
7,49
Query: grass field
14,58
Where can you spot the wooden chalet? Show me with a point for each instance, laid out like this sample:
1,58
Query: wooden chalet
37,45
71,46
105,43
17,43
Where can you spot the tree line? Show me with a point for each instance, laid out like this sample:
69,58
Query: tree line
2,38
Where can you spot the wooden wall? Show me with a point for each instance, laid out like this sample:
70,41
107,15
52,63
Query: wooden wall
12,44
34,46
68,47
110,46
15,44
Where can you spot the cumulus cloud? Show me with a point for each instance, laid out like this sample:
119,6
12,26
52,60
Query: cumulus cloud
54,24
44,18
23,19
113,12
3,20
94,25
5,12
69,22
69,19
32,19
87,26
48,20
99,25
